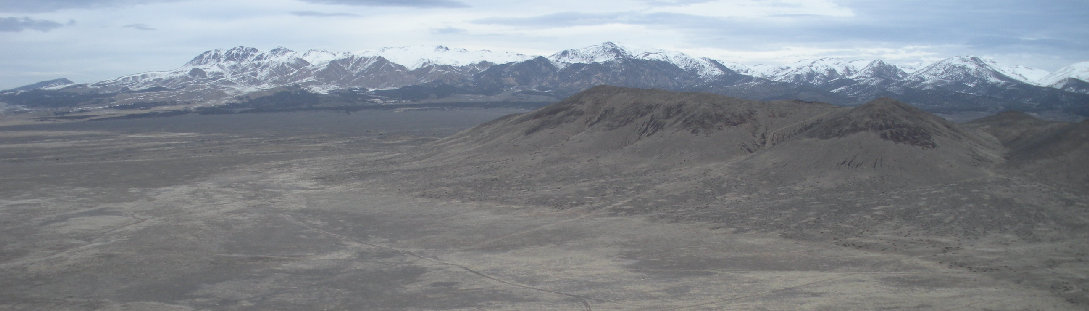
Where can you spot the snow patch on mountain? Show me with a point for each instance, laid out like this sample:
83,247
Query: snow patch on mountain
318,57
54,84
414,57
1021,73
758,70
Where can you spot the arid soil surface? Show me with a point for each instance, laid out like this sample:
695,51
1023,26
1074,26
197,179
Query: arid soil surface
317,211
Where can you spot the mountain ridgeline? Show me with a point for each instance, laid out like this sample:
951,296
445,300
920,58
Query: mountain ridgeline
958,87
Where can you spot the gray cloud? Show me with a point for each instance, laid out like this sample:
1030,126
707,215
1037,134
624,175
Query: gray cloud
565,19
139,27
401,3
322,14
1011,44
54,5
674,2
1008,25
17,24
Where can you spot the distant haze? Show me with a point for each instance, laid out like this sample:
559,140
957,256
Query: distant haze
94,40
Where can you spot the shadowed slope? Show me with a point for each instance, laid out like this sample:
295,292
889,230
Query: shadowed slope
1015,129
1054,152
891,120
884,140
648,124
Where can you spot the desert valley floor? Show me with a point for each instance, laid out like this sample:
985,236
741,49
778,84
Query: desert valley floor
321,211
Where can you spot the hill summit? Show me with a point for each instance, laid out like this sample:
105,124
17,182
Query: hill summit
623,122
892,120
661,130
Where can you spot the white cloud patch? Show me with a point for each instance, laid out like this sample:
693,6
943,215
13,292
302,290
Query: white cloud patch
36,6
752,9
397,3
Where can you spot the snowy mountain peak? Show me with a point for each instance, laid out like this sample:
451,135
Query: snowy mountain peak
278,51
879,69
967,70
1079,71
609,51
235,54
278,54
320,56
1018,73
240,54
965,61
599,53
206,58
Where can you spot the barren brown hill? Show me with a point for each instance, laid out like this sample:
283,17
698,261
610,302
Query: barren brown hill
882,141
648,124
651,129
892,121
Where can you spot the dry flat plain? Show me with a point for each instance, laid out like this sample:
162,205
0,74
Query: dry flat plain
317,211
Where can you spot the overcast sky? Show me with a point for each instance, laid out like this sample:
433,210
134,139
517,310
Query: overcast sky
92,40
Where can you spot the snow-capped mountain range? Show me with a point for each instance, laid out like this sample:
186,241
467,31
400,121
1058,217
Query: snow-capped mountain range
226,74
248,68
